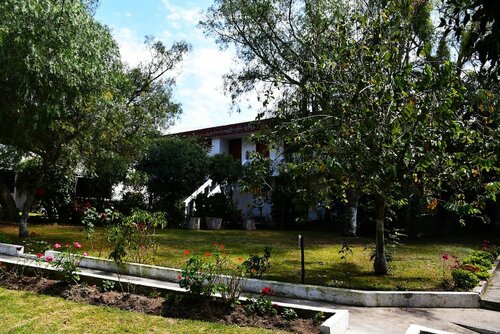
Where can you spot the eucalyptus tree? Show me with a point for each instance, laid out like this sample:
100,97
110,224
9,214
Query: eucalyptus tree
359,100
67,99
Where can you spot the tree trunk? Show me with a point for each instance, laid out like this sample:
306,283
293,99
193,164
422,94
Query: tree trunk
380,263
8,202
23,222
351,228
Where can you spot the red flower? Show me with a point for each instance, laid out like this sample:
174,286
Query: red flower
179,277
240,259
77,245
39,255
208,254
445,256
267,291
222,246
57,246
186,252
49,258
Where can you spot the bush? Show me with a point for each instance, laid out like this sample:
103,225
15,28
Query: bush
257,265
464,279
481,258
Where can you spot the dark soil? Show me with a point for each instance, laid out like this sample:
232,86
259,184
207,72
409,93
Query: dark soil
174,305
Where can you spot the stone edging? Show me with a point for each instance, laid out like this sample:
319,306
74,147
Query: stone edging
481,288
310,292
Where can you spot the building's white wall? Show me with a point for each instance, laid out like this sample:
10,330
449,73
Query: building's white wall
216,147
246,146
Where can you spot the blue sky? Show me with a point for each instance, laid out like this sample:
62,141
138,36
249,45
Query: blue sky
199,78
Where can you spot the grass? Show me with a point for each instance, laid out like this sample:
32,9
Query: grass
417,264
26,312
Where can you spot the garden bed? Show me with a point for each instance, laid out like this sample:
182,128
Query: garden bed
171,305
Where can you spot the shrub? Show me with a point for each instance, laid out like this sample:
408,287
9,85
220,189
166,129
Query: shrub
262,305
69,261
481,258
257,265
464,279
204,276
289,314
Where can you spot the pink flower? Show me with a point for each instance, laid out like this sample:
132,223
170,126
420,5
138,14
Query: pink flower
85,254
179,277
77,245
67,245
445,256
49,258
39,255
57,246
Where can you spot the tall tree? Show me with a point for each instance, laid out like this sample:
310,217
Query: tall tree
359,100
67,98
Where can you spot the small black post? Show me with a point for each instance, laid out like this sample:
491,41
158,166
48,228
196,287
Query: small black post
303,272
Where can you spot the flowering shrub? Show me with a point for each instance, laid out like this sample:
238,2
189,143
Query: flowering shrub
492,249
467,274
257,265
213,273
263,305
132,237
69,261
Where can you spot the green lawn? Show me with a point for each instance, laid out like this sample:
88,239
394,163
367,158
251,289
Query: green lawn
417,264
30,313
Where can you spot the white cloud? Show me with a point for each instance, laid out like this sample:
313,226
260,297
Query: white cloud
132,48
177,16
200,90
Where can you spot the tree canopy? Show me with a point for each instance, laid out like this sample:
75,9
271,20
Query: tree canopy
67,99
361,99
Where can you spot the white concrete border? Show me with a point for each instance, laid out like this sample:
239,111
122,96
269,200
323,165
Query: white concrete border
416,329
337,323
311,292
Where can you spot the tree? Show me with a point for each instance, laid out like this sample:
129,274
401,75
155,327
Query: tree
67,100
174,167
359,100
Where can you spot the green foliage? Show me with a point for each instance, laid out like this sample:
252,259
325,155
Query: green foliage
257,265
217,205
89,220
203,276
289,314
4,239
480,258
464,279
346,251
133,237
68,101
132,201
263,304
107,285
174,167
222,168
68,261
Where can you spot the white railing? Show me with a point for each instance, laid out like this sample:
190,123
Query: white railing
209,187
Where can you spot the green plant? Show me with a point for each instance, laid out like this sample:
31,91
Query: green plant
4,239
107,285
89,219
482,258
69,261
262,305
133,236
319,317
289,314
257,265
464,279
490,248
202,276
344,252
